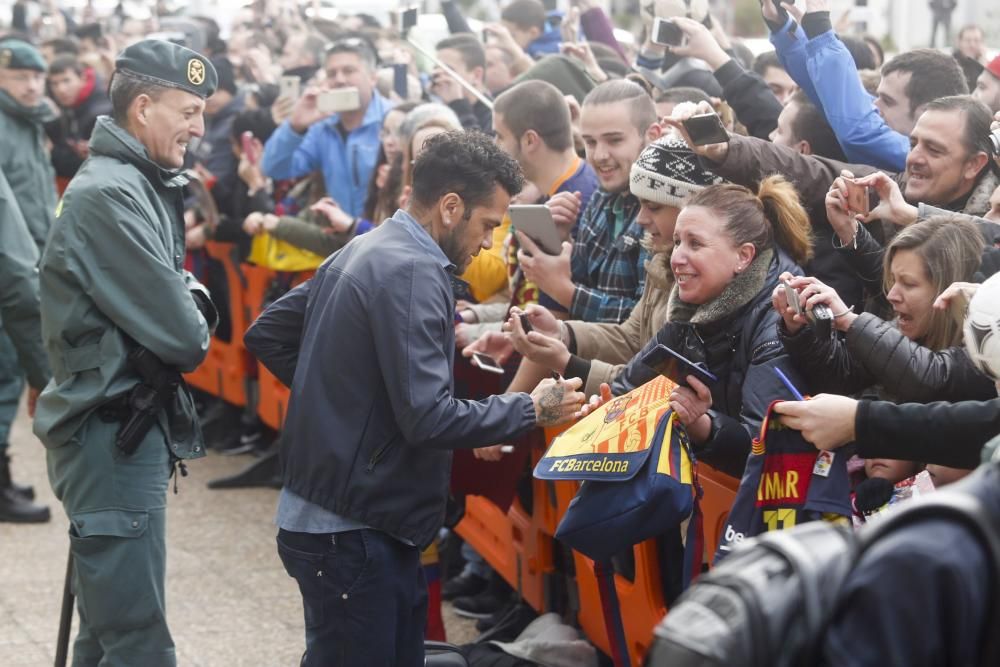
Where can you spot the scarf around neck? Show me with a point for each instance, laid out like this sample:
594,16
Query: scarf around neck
740,291
38,114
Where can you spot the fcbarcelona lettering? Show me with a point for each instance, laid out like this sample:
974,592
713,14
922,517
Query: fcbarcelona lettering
590,465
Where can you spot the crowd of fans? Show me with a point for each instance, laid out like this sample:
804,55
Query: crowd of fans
665,239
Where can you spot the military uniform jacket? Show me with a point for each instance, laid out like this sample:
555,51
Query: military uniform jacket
25,162
19,289
112,270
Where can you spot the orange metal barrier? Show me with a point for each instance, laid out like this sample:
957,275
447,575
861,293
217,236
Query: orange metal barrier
226,368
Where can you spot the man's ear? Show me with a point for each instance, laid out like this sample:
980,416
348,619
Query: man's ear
530,141
477,74
653,132
804,147
974,165
140,109
451,207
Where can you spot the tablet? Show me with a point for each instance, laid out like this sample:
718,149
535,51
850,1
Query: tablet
536,222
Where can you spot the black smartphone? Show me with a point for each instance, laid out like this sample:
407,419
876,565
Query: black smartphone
667,33
676,367
408,19
706,128
400,82
525,323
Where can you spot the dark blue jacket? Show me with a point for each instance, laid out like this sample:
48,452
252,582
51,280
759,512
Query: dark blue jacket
742,350
367,346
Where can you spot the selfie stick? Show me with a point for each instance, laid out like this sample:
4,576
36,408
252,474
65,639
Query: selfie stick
452,73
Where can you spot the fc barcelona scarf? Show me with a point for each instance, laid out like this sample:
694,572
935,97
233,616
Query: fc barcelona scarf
786,482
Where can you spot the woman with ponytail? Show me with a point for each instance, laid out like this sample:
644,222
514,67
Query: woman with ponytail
730,246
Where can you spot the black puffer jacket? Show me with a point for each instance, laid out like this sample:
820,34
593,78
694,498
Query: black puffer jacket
740,346
874,352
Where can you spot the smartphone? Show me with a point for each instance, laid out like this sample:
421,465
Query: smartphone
400,80
706,128
246,139
667,33
858,198
289,87
486,363
536,221
408,18
338,99
525,323
792,296
674,366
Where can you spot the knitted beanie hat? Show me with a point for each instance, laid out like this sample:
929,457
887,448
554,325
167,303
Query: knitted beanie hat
667,172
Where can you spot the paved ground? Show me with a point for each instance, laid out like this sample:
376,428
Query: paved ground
229,602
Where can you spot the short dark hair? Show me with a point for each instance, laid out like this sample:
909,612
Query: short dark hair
538,106
124,89
466,163
65,63
810,125
359,46
256,121
860,52
680,94
471,49
766,61
63,45
932,75
525,14
977,117
642,111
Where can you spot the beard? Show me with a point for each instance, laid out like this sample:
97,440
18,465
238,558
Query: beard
451,244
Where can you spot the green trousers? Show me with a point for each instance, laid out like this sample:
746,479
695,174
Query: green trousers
11,386
117,511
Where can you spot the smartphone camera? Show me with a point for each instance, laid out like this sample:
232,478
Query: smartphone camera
667,33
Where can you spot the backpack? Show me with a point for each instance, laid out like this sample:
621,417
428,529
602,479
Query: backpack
770,601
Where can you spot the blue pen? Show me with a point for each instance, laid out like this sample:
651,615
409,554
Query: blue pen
788,383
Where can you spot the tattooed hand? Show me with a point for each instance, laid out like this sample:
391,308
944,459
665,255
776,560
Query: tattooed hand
557,401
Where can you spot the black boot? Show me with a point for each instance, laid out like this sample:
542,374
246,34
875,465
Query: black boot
15,508
26,491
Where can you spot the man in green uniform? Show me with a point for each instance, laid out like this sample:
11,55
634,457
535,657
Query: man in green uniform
112,282
24,160
19,311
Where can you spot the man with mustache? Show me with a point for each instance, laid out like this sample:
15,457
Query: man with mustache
113,285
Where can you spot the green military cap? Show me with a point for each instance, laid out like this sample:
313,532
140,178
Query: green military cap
168,64
18,54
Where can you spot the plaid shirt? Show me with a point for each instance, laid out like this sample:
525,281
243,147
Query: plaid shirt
608,265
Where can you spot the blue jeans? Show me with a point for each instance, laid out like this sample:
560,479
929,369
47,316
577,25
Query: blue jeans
364,596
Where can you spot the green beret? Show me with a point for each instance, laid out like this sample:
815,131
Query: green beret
17,54
168,64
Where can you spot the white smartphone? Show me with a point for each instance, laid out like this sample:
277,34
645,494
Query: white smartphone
289,87
667,33
486,363
338,100
536,221
792,296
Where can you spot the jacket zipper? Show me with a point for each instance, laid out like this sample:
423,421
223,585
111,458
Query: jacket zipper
377,456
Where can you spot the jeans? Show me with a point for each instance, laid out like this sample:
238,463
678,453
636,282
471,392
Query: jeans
364,597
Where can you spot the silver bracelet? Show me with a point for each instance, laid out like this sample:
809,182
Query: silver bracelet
846,312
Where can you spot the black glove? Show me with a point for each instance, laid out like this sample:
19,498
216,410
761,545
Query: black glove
203,300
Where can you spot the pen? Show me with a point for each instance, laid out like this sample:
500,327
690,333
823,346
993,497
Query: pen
788,384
